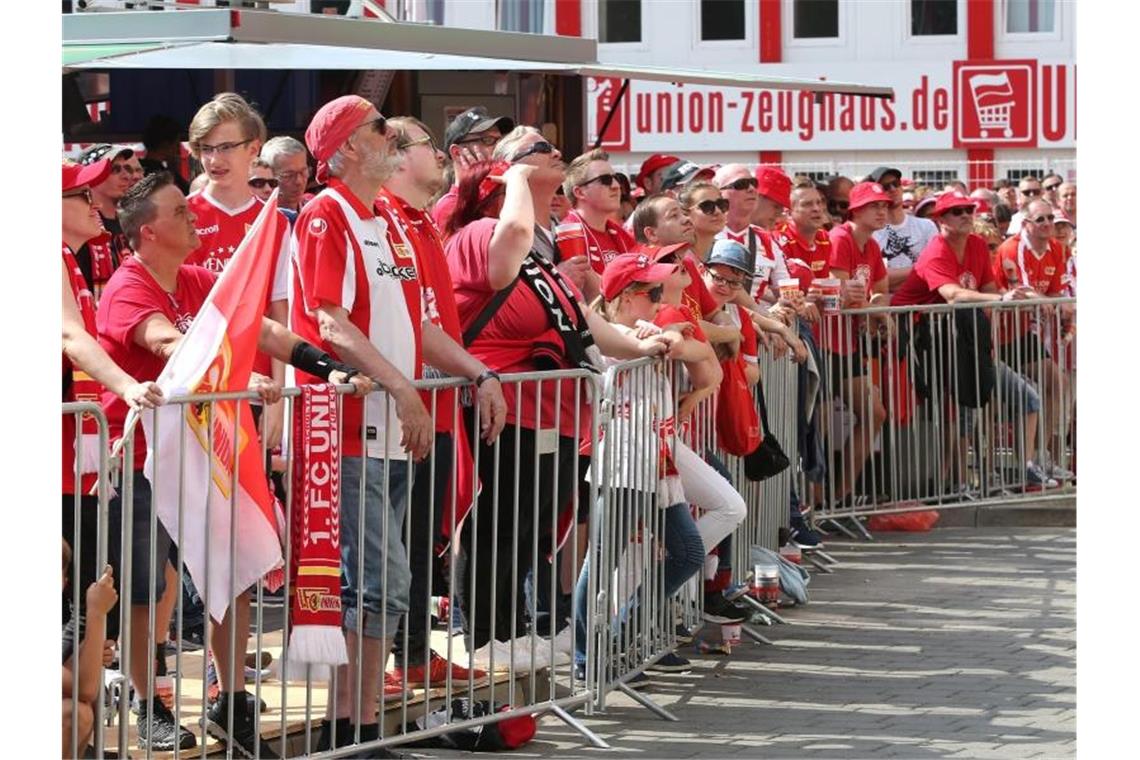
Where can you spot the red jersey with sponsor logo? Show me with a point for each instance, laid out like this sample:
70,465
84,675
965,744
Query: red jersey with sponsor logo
806,260
506,343
866,265
132,295
342,256
696,294
938,265
1016,264
602,246
408,225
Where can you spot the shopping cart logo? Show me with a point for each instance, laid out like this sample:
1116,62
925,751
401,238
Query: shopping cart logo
996,104
603,93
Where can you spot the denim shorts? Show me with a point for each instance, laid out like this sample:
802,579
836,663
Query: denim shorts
387,580
141,548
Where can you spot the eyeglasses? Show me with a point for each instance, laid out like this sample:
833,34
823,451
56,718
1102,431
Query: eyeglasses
221,149
710,207
379,125
607,180
425,140
1043,219
291,176
727,282
1051,188
85,194
960,211
1032,192
542,146
744,183
486,141
654,294
129,169
259,183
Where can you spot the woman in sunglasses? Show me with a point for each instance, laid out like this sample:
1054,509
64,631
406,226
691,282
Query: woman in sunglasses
706,208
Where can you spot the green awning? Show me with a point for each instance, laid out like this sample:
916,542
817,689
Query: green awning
76,54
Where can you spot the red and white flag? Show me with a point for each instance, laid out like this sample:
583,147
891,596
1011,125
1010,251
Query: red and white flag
224,486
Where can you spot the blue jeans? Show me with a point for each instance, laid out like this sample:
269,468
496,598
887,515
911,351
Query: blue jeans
387,580
685,556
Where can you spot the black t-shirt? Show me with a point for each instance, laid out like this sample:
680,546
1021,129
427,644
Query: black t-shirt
118,247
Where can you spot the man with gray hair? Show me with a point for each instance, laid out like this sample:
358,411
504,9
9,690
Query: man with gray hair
289,161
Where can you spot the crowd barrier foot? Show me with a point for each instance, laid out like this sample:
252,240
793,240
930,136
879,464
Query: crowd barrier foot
861,529
821,554
647,703
817,563
578,726
834,522
768,613
755,635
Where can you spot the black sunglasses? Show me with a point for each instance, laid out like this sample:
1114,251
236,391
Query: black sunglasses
542,146
1051,188
710,207
607,180
743,183
654,294
379,125
1043,219
960,211
1030,193
259,183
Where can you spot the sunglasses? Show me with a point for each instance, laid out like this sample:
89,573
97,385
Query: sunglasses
121,168
260,183
542,146
710,207
84,194
889,186
1051,188
607,180
379,125
960,211
1030,193
487,141
221,149
1043,219
744,183
654,294
727,282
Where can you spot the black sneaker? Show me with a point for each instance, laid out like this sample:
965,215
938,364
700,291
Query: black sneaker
806,539
684,635
193,639
672,663
241,734
159,731
370,732
720,610
639,681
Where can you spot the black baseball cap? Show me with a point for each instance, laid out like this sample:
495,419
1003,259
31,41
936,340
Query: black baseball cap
105,150
472,122
882,171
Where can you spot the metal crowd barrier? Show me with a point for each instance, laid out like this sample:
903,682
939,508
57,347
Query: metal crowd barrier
530,674
918,418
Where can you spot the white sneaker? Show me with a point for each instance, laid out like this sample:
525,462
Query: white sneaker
502,655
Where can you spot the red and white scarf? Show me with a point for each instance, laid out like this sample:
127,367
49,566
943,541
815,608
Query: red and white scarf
315,636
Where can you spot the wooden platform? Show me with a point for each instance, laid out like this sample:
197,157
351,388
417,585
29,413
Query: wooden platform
308,700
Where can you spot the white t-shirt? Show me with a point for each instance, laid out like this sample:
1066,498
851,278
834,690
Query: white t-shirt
901,243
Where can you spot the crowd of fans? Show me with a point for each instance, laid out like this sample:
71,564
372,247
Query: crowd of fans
524,262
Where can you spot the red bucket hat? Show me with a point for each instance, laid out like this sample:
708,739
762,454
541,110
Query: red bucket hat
864,193
773,184
331,126
629,268
953,199
76,176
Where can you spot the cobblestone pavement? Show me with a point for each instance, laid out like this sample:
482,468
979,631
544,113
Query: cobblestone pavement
954,643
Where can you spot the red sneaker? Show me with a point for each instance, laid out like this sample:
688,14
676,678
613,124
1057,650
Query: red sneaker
394,687
436,673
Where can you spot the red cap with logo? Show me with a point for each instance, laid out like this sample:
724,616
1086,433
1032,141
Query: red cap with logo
652,164
629,268
331,127
488,185
658,252
953,199
76,175
864,193
773,184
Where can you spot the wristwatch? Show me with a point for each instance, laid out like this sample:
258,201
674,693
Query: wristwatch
484,376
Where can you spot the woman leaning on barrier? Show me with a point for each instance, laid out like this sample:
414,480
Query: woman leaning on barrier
521,310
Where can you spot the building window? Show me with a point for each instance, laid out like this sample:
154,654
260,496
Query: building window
722,20
815,19
619,20
933,17
521,16
1029,16
935,177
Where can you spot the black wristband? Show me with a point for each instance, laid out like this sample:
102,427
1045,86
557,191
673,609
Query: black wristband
308,358
486,375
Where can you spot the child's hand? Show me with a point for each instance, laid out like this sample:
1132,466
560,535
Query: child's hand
101,595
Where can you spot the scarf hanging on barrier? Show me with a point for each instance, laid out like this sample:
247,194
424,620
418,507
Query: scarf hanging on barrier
315,636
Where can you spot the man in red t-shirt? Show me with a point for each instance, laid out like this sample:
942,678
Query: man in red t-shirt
148,305
595,194
402,203
857,261
806,245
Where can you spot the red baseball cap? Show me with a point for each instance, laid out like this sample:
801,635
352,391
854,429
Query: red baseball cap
864,193
773,184
628,268
952,199
981,206
1060,217
657,252
76,175
331,126
488,186
652,164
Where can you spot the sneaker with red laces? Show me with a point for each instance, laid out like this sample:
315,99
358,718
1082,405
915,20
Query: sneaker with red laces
394,687
436,673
